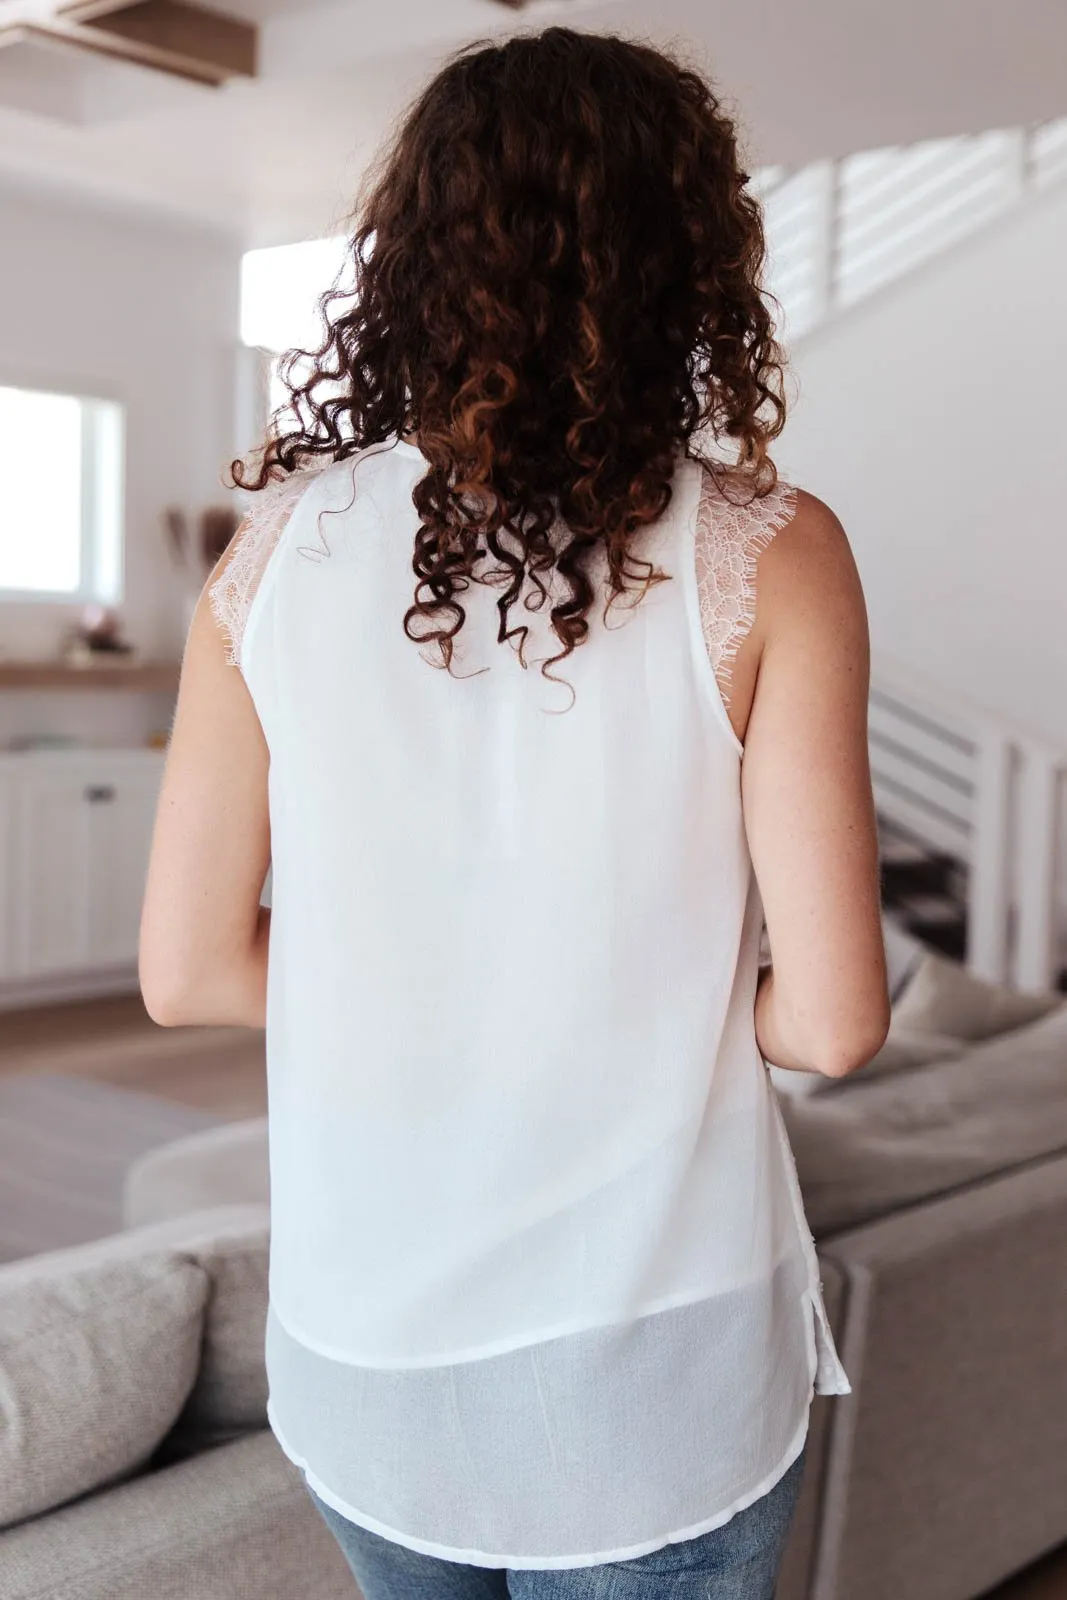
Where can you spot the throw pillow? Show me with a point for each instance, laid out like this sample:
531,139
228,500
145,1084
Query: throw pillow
230,1244
98,1352
914,1135
230,1393
943,997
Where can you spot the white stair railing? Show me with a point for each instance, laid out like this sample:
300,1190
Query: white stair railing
995,798
1048,153
837,230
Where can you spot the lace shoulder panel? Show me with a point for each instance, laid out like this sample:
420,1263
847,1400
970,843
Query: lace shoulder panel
729,538
232,592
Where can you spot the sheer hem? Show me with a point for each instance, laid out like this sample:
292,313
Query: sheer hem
518,1563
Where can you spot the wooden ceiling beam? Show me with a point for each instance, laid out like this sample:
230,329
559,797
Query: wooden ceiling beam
198,42
90,42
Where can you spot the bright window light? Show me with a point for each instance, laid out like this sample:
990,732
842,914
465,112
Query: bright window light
280,291
61,464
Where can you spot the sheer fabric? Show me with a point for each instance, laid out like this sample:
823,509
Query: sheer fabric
542,1289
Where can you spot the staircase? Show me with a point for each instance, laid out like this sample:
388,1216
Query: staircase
924,891
972,820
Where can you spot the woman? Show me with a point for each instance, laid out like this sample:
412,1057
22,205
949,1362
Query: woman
545,1312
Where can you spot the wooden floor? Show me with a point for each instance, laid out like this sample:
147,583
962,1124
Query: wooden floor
115,1041
222,1070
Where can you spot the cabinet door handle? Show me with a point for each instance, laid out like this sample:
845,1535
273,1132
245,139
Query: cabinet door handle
97,792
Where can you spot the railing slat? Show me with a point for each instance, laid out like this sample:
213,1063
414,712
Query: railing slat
910,812
890,210
989,884
924,235
953,758
1048,152
865,204
1036,852
926,787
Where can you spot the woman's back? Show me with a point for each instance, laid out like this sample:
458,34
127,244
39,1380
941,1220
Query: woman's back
542,1291
512,1063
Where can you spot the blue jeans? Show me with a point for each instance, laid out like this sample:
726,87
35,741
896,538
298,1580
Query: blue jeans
738,1561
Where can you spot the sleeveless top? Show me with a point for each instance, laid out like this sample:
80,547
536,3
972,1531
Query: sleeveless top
542,1290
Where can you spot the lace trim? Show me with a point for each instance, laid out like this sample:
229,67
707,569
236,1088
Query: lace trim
729,541
233,591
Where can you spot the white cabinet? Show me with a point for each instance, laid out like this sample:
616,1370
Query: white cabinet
50,902
78,831
121,817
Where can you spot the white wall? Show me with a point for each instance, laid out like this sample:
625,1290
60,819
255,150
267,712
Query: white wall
145,312
933,419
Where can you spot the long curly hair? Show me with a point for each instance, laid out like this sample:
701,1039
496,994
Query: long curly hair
556,281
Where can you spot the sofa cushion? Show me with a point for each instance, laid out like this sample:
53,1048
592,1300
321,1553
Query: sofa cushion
219,1167
98,1354
941,996
231,1524
910,1135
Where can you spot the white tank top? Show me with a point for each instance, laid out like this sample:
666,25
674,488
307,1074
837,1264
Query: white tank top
542,1289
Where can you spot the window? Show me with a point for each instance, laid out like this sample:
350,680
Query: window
281,288
61,466
280,292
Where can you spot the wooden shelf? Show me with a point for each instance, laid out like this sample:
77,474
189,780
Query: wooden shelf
160,677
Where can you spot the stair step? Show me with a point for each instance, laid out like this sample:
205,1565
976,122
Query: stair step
924,874
932,909
948,936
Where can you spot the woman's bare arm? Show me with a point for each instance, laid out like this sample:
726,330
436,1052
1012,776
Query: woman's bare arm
204,936
809,814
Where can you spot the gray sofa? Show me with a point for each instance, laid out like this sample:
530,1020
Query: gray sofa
938,1198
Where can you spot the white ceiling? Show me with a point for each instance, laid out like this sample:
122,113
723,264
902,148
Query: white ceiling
280,158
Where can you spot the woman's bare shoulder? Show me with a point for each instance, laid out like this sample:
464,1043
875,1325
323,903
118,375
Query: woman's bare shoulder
808,572
813,532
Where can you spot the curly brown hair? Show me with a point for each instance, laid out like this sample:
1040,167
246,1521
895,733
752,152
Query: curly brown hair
557,281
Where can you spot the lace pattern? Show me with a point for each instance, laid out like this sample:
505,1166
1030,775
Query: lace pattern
233,591
729,540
